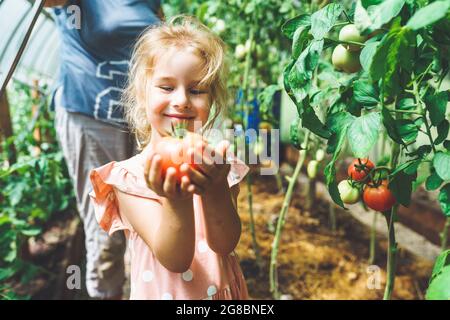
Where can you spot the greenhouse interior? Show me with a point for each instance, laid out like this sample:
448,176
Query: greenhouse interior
323,140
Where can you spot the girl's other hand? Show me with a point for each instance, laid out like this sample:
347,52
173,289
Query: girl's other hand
168,186
209,173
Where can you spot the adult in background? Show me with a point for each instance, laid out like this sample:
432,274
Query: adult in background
97,39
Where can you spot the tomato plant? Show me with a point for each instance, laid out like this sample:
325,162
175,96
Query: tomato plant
397,92
33,189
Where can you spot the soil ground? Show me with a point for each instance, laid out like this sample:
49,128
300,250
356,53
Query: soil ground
313,261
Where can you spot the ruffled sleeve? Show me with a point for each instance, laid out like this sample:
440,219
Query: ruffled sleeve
104,180
238,170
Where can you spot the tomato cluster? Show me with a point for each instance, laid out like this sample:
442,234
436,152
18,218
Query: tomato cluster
345,57
375,193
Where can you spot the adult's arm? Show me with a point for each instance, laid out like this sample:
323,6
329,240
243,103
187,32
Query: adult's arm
54,3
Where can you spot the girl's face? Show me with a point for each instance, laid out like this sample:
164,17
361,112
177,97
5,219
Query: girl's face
174,93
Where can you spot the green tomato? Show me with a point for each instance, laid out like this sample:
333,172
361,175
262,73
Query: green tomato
351,33
311,169
258,147
320,154
240,51
219,26
349,194
345,60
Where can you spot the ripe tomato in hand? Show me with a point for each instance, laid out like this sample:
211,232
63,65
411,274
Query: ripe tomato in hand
348,193
379,198
174,152
359,169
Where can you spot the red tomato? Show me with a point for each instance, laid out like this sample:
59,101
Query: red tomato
359,169
174,152
379,198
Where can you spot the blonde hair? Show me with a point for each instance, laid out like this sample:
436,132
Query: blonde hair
179,32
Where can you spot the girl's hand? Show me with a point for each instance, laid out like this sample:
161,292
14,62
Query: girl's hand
208,173
166,187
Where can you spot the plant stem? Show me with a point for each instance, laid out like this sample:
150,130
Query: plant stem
420,103
392,255
332,212
444,234
392,245
281,219
373,238
340,24
346,42
252,223
348,18
406,111
249,182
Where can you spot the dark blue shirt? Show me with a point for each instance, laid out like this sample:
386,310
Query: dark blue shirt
95,58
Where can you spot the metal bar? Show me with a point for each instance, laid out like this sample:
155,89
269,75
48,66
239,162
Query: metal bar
14,33
40,6
45,13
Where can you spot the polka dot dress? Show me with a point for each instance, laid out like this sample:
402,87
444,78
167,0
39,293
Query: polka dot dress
210,276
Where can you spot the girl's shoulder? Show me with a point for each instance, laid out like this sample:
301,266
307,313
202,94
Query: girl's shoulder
126,176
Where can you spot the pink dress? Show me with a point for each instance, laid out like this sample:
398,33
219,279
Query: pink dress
210,276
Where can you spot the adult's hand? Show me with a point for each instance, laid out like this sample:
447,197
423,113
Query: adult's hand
54,3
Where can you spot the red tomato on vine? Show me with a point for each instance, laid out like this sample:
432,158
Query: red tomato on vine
359,169
379,198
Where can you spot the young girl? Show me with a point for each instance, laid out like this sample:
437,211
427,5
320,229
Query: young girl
181,235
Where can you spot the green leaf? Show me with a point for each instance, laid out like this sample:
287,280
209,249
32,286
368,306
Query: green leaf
6,273
433,182
31,232
363,134
441,163
406,104
266,99
401,187
323,20
436,105
370,17
299,78
294,133
389,124
429,15
365,93
439,287
395,53
447,145
442,130
407,129
299,41
312,122
330,170
444,199
290,26
443,260
367,53
421,152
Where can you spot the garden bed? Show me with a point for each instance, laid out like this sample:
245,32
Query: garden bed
315,263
